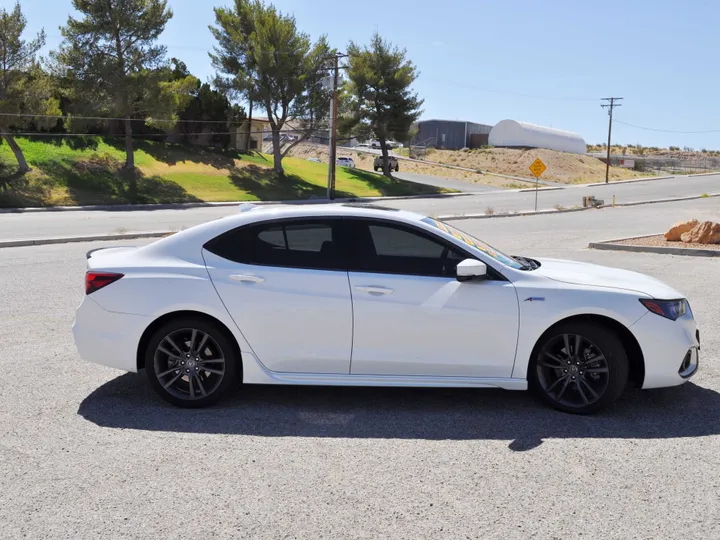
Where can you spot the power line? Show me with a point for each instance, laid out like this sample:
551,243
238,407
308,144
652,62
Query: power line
667,130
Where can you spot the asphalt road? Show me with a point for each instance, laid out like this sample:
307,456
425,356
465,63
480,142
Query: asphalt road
89,452
38,225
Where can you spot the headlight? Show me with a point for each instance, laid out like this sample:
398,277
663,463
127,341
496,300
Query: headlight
670,309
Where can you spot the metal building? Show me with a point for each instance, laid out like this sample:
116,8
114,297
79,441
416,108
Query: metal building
451,134
514,134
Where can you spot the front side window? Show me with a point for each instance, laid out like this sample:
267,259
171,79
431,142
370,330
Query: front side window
303,244
395,249
474,242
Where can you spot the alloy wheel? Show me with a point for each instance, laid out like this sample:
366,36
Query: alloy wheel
572,370
189,364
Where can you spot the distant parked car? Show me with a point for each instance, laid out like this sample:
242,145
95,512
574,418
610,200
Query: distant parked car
374,144
363,145
346,162
392,163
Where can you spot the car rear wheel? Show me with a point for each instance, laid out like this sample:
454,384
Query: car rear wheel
579,368
191,363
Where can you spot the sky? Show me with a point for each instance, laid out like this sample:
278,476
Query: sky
546,62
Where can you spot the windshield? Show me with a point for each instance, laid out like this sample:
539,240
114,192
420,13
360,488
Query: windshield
474,242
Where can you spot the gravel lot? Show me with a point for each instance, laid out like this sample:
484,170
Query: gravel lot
89,452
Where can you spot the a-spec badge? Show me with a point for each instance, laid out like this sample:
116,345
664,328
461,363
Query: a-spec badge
535,299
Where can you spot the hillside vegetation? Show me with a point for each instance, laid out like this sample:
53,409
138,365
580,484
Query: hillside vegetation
89,171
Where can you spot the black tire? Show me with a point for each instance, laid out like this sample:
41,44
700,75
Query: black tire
397,168
376,169
215,352
583,383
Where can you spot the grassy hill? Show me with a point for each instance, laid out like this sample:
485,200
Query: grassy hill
89,171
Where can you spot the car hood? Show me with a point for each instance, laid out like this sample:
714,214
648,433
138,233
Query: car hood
579,273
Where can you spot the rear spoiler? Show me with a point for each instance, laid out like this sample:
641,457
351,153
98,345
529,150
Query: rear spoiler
89,253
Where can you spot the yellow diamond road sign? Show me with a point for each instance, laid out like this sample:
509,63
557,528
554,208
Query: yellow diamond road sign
537,167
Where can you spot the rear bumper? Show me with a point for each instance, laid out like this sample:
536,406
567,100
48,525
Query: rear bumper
107,338
670,348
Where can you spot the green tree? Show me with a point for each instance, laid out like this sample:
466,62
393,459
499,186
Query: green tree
379,79
25,88
209,110
263,57
115,68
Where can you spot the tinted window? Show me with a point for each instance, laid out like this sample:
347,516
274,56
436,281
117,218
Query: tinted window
306,244
390,249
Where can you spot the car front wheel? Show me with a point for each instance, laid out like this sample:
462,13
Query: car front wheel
190,362
579,368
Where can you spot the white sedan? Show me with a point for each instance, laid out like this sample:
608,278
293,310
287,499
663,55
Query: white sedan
367,296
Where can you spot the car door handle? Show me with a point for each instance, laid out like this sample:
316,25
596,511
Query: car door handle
376,291
246,278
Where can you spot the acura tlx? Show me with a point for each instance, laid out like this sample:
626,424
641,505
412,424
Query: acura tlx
368,296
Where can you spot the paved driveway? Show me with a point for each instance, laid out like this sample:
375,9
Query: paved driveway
89,452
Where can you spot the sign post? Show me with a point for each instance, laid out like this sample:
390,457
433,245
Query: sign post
537,168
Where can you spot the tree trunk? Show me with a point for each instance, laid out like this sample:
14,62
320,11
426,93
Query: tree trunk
277,154
384,150
129,156
130,163
22,164
249,130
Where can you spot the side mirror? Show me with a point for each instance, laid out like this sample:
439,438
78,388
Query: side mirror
471,269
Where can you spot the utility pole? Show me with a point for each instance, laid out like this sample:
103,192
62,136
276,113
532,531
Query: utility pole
610,107
332,150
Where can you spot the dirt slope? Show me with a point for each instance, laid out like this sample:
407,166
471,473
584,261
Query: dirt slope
561,166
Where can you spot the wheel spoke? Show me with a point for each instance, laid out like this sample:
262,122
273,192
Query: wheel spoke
581,391
576,352
171,381
202,343
174,346
212,361
192,341
593,393
557,381
171,355
212,370
566,340
562,390
190,385
554,358
596,370
200,385
594,360
168,372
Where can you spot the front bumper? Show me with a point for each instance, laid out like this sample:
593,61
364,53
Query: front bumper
107,338
670,349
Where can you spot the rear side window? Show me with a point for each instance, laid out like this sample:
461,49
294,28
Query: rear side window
293,244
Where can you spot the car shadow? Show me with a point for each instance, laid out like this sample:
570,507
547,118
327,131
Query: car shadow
127,402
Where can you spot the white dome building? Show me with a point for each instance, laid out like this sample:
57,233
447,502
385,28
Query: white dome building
514,134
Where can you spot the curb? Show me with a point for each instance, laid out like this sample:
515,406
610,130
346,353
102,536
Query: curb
548,188
451,217
73,239
610,245
705,174
182,206
631,181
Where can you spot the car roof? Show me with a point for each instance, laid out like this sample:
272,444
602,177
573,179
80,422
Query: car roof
185,242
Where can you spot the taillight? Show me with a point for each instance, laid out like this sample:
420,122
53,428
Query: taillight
95,281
